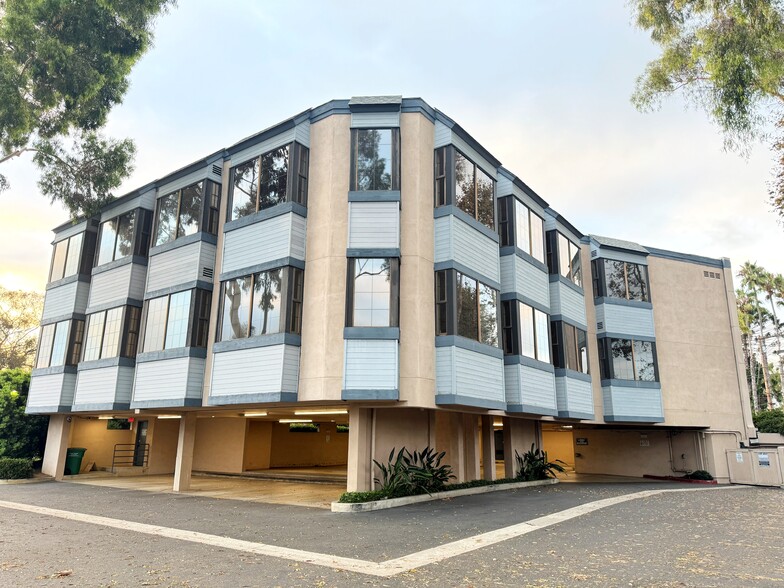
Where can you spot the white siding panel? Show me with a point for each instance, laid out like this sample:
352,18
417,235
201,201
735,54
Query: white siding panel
538,387
632,402
468,373
374,225
443,135
532,282
570,304
512,383
248,371
177,266
138,280
191,178
374,120
66,299
456,240
259,243
111,286
70,231
508,273
268,145
574,395
291,369
161,380
371,365
298,236
628,320
121,208
302,133
99,386
51,390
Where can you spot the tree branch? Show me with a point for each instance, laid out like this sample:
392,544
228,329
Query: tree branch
17,153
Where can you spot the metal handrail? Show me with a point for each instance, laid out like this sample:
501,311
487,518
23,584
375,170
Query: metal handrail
125,454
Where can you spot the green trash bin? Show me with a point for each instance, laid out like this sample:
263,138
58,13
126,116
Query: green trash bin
73,460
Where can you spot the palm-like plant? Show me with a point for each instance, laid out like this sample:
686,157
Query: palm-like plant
773,286
752,278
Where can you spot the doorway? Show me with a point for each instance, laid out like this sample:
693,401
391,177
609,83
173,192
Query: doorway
141,449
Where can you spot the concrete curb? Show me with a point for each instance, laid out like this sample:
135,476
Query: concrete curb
26,481
406,500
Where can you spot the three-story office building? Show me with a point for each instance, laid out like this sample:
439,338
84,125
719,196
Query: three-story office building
369,268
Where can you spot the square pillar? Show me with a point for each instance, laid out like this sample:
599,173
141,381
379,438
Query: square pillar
183,465
519,435
57,438
360,459
488,448
471,443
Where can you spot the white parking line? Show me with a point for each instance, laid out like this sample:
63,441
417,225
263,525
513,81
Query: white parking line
387,568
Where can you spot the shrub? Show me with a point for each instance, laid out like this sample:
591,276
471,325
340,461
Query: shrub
21,435
534,465
15,468
698,475
770,421
354,497
407,474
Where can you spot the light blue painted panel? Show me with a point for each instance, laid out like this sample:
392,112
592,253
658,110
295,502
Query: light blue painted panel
468,373
443,135
126,206
458,241
272,143
618,255
290,369
66,299
302,133
258,370
51,390
512,384
508,274
265,241
180,265
532,282
107,385
374,225
568,303
371,364
70,231
165,380
111,285
628,320
373,120
537,387
574,395
643,403
191,178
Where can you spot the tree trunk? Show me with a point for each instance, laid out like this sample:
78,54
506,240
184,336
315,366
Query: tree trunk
753,373
765,373
748,364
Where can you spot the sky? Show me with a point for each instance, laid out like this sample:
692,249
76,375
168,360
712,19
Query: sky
544,86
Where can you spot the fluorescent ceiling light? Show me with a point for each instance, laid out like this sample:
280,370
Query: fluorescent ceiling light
105,418
328,411
169,416
255,414
295,421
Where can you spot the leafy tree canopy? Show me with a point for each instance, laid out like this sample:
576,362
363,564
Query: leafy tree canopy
727,57
63,65
20,312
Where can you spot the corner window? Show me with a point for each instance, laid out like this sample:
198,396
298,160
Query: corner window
621,279
373,292
169,324
461,182
466,307
60,344
563,258
275,177
525,330
180,213
375,159
569,346
66,257
116,240
628,359
112,333
258,304
521,227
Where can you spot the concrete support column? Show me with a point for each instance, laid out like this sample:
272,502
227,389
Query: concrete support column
184,462
488,448
57,439
360,448
519,435
471,442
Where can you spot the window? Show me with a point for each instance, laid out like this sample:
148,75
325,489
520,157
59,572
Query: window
375,160
466,307
112,333
66,257
269,180
168,323
257,304
180,213
628,359
525,331
373,292
461,182
116,240
563,258
569,346
528,234
621,279
57,344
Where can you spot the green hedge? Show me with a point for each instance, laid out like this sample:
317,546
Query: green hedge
15,468
770,421
354,497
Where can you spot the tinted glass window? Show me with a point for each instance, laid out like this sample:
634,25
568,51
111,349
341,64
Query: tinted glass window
155,328
45,346
542,323
373,159
245,189
537,237
464,185
522,227
112,332
107,242
488,315
637,279
372,289
267,302
125,225
467,320
622,362
274,177
190,210
485,207
60,343
92,345
167,219
177,323
235,318
615,278
527,329
74,255
58,260
644,366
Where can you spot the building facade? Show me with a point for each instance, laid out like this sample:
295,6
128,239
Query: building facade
369,267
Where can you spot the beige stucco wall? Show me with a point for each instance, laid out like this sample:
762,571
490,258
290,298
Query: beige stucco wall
323,317
593,348
698,360
258,444
162,436
619,452
559,445
417,305
327,447
219,445
93,435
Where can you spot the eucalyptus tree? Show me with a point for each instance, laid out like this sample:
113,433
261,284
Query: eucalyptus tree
752,279
746,321
773,286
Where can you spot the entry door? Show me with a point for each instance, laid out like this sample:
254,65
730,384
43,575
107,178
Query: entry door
141,442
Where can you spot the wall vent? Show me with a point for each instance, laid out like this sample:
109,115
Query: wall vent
600,326
217,170
594,253
207,272
714,275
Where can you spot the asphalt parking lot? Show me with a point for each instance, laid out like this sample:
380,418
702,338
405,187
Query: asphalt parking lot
697,537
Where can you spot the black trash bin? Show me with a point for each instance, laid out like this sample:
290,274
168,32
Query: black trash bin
73,460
